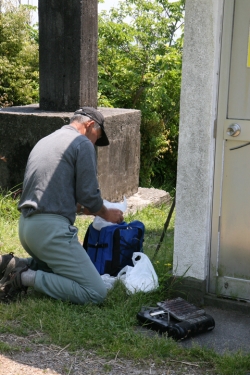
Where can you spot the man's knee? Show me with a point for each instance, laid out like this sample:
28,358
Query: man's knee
97,296
89,294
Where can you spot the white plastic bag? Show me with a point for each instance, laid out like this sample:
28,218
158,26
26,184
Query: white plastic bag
141,277
100,223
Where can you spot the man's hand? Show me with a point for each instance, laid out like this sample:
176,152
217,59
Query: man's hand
112,215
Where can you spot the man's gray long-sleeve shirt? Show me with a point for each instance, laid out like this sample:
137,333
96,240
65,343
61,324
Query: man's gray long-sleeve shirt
61,172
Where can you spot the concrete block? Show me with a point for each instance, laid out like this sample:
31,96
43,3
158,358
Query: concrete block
118,164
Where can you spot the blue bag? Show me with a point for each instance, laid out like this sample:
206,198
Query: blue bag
112,247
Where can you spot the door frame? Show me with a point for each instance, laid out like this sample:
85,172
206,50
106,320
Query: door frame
224,71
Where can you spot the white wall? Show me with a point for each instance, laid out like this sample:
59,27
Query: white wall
203,21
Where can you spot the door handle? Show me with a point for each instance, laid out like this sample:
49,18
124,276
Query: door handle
234,130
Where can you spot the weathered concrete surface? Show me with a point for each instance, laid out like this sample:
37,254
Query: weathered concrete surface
68,34
118,164
194,189
145,197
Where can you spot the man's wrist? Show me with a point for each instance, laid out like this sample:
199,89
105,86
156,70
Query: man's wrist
102,212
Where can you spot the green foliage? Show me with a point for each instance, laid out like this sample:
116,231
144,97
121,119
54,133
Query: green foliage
8,206
18,56
140,67
9,241
238,364
6,348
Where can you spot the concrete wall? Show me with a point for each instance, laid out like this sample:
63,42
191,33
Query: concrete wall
203,22
118,163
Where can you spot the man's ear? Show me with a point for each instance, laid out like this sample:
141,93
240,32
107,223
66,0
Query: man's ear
89,124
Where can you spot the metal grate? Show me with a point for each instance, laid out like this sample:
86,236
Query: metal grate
180,309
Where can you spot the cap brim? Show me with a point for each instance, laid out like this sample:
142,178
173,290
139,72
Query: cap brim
103,141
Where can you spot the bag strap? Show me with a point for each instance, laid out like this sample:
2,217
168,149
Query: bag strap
85,240
115,263
86,244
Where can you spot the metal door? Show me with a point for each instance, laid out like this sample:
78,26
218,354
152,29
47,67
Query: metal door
230,243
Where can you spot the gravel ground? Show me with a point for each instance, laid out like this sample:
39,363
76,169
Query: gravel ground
38,359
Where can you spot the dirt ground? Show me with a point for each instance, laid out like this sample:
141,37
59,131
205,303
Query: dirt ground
26,358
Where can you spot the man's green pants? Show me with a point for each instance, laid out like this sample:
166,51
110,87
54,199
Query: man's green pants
64,269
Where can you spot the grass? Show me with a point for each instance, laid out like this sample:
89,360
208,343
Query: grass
112,328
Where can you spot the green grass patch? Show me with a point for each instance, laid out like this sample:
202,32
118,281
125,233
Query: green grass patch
6,348
112,328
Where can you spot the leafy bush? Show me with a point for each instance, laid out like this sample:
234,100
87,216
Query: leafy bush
19,80
140,67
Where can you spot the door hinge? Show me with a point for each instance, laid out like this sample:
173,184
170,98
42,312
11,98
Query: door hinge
215,128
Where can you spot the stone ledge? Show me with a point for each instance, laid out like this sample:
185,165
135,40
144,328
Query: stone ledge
34,110
145,197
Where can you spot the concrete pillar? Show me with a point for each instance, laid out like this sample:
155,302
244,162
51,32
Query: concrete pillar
194,193
68,33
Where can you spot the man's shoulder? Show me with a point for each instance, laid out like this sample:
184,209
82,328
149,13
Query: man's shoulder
69,133
74,138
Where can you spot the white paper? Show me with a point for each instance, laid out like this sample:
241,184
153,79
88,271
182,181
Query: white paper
100,223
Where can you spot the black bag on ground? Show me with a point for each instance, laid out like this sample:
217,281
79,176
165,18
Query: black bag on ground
112,247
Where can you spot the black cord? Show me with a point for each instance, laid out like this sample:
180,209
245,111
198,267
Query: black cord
165,228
